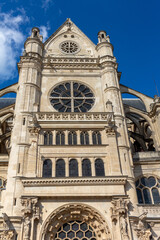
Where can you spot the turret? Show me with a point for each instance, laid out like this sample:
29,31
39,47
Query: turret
34,42
104,47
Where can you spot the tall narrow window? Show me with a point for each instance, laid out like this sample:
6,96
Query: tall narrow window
60,138
48,138
60,168
47,168
86,168
72,138
99,168
73,168
96,138
84,137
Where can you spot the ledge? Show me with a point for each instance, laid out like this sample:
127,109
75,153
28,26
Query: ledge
143,157
73,181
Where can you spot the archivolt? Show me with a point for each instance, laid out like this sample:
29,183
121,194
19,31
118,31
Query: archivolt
70,212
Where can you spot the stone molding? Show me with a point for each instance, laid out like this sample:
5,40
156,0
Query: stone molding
92,181
50,116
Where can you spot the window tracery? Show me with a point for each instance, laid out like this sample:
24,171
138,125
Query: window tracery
96,138
48,138
148,190
72,97
60,138
72,138
84,137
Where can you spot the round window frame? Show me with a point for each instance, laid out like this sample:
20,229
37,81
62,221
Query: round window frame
60,45
69,81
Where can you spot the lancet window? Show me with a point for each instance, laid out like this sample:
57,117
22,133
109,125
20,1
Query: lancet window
60,168
99,167
148,190
48,138
60,138
47,168
73,168
72,138
96,138
86,168
84,137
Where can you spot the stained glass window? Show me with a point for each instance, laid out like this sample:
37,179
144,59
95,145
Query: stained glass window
99,167
47,168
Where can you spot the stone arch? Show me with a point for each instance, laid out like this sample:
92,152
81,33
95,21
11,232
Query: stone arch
9,89
79,212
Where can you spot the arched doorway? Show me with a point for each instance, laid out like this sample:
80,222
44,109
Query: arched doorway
75,222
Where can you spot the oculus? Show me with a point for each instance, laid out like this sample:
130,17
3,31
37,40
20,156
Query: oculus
72,97
69,47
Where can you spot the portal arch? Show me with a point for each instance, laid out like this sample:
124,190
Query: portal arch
82,213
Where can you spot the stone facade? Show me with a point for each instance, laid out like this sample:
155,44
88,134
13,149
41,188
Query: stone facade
73,152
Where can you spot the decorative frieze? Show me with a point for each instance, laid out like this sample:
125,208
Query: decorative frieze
107,117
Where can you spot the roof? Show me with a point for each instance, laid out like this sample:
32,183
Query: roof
134,102
5,102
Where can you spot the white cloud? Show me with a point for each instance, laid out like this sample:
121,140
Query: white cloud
46,3
44,32
11,41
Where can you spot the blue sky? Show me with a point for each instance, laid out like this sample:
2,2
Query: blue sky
133,27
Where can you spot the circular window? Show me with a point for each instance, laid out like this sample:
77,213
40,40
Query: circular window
69,47
75,230
72,97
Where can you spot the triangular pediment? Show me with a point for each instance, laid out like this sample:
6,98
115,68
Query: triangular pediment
69,41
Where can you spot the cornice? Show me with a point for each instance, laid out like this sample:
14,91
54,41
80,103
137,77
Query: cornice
33,182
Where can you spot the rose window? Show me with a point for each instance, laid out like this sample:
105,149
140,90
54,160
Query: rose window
75,230
72,97
69,47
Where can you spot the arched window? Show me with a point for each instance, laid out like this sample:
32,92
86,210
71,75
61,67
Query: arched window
84,137
47,168
148,190
86,168
60,138
73,168
60,168
72,138
96,138
99,168
48,138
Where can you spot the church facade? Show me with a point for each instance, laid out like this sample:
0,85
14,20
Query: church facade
77,161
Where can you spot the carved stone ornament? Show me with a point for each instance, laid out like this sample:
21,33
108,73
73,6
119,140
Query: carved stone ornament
30,211
34,127
119,214
7,235
110,129
77,212
141,228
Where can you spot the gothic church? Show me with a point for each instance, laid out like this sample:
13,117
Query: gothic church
77,161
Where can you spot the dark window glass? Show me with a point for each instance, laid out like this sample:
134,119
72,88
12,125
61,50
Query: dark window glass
156,197
86,138
72,138
45,138
151,181
62,139
82,138
60,168
73,168
99,167
86,168
139,194
94,139
58,138
147,197
99,138
47,168
50,138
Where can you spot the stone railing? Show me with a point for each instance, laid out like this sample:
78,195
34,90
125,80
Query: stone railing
107,117
151,210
